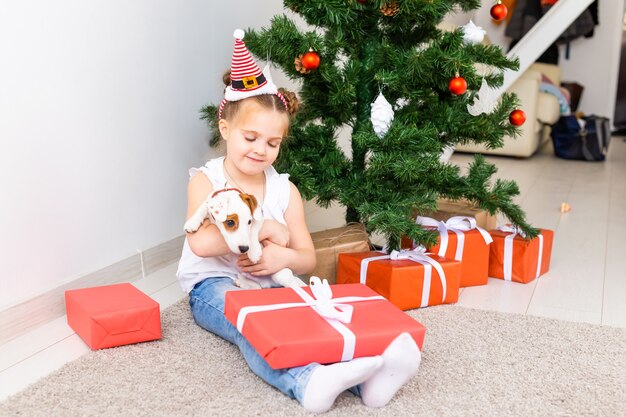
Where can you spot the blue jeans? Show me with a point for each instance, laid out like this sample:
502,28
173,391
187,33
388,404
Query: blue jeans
206,300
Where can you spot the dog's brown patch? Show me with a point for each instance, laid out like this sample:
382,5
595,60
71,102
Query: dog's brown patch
232,223
250,200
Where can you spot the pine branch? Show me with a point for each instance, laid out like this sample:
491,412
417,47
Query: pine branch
209,115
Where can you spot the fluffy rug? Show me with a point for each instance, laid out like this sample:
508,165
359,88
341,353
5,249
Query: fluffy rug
475,363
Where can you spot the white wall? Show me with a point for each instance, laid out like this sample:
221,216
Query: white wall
594,62
99,123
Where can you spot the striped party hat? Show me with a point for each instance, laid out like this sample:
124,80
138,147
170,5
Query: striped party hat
246,78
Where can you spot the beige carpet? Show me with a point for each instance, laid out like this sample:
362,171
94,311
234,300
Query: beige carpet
475,363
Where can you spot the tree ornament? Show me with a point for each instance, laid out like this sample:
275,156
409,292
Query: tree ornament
298,64
499,11
457,85
362,1
472,33
389,9
485,101
517,117
381,115
310,60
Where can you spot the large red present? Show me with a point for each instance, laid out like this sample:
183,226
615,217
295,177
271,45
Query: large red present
112,315
409,279
285,325
514,258
461,239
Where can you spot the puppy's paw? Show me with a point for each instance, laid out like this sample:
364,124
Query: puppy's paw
254,253
286,278
192,225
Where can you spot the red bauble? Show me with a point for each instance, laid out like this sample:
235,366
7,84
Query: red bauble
499,11
362,1
517,117
311,60
457,85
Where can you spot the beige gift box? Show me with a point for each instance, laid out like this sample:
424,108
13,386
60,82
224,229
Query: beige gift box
449,208
330,243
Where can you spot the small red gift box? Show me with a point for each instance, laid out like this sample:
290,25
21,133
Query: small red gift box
112,315
461,239
406,282
514,258
286,331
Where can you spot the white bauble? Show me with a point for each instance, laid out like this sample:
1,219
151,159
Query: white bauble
473,33
381,115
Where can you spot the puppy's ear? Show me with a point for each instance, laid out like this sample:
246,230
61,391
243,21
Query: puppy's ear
218,207
251,201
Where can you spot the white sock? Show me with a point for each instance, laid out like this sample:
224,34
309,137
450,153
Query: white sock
328,381
401,361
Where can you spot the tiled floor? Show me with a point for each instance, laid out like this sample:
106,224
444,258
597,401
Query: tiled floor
587,280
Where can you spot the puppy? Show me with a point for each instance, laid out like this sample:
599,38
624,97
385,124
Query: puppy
239,219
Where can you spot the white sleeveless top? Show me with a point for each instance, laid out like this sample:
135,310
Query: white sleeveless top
192,268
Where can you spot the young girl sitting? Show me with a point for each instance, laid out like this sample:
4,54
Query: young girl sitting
253,121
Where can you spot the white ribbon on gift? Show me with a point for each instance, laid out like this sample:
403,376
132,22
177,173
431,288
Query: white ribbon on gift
416,255
458,225
334,310
508,250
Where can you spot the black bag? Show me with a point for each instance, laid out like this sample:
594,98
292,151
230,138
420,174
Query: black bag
585,139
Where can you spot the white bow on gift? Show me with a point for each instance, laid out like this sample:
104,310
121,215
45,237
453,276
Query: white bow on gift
508,250
419,255
458,225
333,310
324,303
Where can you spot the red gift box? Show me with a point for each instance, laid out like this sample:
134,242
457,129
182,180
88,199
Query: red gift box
295,336
112,315
461,239
514,258
404,282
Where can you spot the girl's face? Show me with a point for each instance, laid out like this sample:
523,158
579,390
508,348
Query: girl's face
253,137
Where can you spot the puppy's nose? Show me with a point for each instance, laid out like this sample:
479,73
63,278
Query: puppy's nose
243,249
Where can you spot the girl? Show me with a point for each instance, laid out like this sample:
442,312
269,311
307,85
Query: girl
254,118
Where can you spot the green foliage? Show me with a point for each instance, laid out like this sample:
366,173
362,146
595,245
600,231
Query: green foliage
383,182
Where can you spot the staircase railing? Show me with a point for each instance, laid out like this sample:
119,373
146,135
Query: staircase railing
542,35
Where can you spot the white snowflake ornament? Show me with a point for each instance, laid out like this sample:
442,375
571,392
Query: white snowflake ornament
472,33
485,101
381,115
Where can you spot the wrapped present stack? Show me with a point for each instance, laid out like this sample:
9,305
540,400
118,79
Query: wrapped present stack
465,255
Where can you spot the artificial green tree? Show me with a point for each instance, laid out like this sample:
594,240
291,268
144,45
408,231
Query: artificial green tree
401,53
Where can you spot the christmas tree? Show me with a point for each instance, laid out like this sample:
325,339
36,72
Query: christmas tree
359,50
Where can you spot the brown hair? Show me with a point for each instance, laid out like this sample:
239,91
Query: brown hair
268,101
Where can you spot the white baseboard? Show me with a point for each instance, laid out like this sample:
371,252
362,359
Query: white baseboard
23,317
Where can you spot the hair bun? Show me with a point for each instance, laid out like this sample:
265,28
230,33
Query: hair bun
293,103
226,78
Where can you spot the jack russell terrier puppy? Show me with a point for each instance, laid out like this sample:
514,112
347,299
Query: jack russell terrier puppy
239,219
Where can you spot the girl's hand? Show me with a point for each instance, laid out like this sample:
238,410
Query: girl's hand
272,260
275,232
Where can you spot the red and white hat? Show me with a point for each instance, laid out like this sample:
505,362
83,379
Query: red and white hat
246,78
